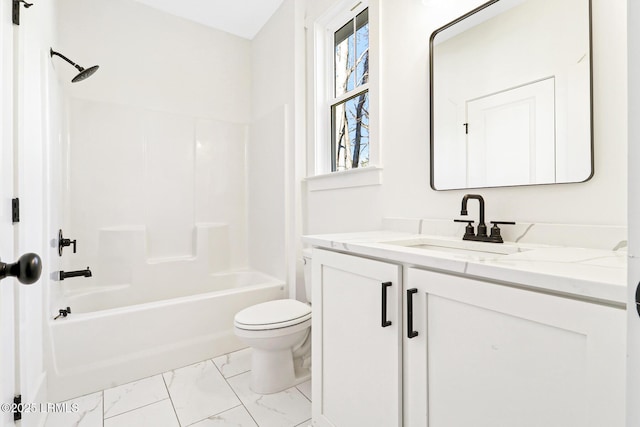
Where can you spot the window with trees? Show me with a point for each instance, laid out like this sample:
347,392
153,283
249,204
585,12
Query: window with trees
350,103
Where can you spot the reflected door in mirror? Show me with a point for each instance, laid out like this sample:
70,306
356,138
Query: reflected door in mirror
511,96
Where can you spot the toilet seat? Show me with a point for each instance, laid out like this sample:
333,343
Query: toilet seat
271,315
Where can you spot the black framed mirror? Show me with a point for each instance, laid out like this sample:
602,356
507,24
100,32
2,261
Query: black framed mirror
511,95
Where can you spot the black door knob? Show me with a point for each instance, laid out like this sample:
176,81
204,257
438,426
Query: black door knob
27,269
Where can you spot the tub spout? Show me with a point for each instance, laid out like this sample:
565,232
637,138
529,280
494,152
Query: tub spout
79,273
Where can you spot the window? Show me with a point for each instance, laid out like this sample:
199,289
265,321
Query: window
349,107
344,118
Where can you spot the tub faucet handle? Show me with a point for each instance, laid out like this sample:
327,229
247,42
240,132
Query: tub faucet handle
62,242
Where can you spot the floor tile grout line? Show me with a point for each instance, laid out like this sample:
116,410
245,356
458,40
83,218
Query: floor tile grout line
235,375
124,396
301,392
229,354
230,386
215,415
135,409
226,379
173,406
234,392
153,375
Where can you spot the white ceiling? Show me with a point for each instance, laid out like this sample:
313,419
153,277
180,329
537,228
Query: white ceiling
243,18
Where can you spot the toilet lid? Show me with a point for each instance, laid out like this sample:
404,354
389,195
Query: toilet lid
273,314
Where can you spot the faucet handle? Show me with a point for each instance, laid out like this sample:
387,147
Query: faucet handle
495,230
469,231
62,242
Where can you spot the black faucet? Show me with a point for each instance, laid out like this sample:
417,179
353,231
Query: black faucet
481,236
79,273
482,227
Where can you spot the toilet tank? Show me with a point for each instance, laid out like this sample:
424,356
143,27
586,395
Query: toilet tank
306,258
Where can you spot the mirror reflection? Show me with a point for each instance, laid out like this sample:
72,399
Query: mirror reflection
511,96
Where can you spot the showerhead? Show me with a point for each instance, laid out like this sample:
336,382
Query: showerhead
83,73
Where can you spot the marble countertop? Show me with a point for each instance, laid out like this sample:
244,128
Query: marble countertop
588,273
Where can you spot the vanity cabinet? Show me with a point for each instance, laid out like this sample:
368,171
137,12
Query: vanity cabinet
493,355
469,352
357,341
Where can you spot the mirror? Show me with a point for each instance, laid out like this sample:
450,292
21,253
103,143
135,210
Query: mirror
511,97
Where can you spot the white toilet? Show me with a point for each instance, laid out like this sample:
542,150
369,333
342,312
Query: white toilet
279,333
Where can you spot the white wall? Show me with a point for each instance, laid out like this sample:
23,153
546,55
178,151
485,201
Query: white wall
155,60
157,137
273,155
405,29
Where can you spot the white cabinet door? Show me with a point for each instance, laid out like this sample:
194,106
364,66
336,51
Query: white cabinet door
356,361
491,355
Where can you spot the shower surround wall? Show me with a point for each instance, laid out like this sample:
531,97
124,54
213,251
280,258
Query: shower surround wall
132,167
157,137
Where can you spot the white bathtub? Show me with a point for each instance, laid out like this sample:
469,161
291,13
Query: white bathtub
112,337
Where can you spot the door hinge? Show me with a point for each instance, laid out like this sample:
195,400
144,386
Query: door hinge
16,10
15,210
17,405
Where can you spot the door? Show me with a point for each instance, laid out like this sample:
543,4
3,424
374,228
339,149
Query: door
356,341
7,319
31,111
22,141
511,136
490,355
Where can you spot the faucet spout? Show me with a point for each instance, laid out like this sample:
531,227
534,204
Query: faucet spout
79,273
482,227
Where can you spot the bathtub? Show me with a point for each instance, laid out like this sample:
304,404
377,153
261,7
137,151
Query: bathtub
117,334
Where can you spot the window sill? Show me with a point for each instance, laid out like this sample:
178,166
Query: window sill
371,175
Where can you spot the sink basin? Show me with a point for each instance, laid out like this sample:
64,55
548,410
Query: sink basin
459,247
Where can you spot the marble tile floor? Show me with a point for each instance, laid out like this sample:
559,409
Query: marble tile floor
212,393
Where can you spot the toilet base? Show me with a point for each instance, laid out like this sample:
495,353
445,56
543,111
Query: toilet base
274,371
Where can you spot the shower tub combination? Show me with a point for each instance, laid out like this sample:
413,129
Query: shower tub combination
171,315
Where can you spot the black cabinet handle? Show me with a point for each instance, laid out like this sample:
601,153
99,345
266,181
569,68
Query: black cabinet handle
638,299
410,332
385,322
